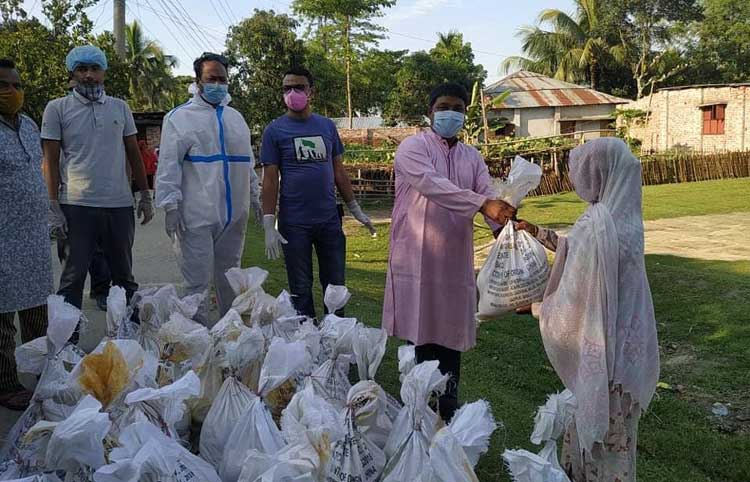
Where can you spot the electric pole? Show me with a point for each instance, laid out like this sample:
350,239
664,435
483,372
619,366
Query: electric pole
119,27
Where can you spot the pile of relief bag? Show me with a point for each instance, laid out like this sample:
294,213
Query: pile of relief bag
264,395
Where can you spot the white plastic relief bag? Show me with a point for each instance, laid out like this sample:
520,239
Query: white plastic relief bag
516,270
31,357
408,445
368,345
168,400
117,311
525,466
371,411
233,399
256,428
246,283
455,449
143,454
336,297
78,440
182,339
356,456
331,377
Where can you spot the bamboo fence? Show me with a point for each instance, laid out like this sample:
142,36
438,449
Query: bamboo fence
377,183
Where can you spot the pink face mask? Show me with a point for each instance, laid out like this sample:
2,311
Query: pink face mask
296,100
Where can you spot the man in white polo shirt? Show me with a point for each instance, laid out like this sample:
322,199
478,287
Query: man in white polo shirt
89,189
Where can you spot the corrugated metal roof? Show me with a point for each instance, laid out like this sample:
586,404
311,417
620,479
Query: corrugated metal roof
530,89
367,122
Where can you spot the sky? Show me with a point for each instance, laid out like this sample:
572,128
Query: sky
189,27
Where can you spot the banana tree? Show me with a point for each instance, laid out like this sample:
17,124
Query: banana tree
477,125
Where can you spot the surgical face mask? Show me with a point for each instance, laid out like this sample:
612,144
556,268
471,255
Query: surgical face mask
296,100
214,93
447,123
11,102
90,91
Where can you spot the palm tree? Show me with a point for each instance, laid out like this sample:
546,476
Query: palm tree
573,50
150,70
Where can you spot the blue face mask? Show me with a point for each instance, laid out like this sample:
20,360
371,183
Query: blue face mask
214,93
447,123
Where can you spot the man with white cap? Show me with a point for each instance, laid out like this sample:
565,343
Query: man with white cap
88,186
206,183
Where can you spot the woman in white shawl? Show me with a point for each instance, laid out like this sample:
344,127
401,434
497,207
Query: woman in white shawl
597,316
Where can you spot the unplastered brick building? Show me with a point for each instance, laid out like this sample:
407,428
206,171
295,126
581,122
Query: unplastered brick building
703,118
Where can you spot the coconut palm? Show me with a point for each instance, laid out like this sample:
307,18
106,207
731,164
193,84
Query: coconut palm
574,49
151,78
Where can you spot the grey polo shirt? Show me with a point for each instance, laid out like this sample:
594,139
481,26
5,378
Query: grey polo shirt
93,168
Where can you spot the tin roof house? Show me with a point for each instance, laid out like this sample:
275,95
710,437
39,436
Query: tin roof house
539,106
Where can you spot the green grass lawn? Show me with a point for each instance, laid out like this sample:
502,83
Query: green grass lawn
703,315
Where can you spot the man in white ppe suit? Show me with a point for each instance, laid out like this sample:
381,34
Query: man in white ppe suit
206,183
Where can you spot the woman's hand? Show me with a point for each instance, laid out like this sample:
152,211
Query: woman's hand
528,227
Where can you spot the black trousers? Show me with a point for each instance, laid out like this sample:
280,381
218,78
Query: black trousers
33,323
450,364
113,230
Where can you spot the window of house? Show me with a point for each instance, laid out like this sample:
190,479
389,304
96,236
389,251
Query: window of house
567,127
713,119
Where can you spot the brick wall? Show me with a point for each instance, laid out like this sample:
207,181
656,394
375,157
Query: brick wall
377,137
676,119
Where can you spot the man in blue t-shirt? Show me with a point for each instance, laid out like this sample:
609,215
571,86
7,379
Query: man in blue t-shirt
306,150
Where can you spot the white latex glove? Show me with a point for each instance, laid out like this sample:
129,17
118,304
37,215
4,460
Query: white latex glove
274,239
58,225
173,222
360,216
255,208
145,206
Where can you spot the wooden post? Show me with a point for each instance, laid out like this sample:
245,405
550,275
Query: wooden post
484,123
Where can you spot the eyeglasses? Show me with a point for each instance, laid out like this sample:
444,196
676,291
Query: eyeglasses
289,88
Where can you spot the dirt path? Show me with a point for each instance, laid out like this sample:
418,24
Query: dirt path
721,237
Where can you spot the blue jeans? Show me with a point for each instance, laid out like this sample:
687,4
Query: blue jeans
330,246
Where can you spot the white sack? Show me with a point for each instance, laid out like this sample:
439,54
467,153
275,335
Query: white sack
31,357
525,466
368,345
117,311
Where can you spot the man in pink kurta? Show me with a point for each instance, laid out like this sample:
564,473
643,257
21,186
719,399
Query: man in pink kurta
441,184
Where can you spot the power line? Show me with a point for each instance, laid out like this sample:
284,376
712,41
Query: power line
186,33
210,32
228,10
218,15
104,9
185,15
184,50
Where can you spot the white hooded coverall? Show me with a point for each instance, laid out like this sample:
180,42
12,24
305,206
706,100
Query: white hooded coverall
206,169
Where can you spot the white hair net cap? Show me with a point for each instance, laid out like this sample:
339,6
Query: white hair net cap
85,54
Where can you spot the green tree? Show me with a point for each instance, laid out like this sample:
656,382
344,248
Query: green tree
575,48
40,59
408,101
150,79
261,48
456,59
330,80
451,60
645,29
117,81
374,78
722,52
347,23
